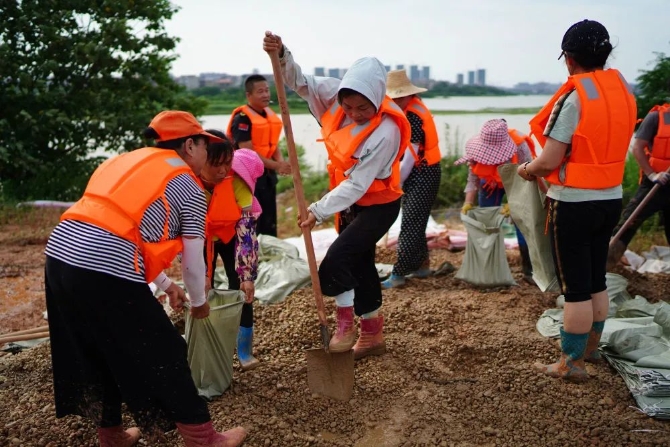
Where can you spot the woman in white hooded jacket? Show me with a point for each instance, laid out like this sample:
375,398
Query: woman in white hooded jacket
363,131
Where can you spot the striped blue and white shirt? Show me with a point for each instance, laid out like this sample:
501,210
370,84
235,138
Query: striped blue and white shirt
87,246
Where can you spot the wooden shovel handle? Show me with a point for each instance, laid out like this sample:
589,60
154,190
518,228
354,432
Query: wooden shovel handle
23,337
26,331
637,212
297,183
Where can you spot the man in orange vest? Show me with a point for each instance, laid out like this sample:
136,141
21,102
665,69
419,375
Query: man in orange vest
111,341
420,173
652,152
255,126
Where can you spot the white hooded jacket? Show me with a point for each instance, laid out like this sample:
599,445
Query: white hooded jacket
376,153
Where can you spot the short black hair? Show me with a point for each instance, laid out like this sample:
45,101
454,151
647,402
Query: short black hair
251,80
220,152
176,144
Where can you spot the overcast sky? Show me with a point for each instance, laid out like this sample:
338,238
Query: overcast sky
514,40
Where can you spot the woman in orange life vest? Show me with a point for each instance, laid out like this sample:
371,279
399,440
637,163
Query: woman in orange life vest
495,145
363,130
111,340
420,174
231,227
585,130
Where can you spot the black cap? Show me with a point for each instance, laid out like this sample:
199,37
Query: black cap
584,37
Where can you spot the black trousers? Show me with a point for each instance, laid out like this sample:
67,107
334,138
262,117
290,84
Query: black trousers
420,189
580,234
660,202
112,342
266,193
350,261
227,252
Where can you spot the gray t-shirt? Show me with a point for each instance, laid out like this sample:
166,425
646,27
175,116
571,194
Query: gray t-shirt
563,129
648,129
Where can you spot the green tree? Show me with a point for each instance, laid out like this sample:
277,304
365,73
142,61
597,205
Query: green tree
654,85
79,76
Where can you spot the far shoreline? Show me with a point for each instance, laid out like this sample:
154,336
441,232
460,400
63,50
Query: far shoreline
220,109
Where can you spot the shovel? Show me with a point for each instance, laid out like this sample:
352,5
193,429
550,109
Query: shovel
329,374
636,213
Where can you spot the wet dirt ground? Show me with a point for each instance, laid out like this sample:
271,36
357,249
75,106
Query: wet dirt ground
458,371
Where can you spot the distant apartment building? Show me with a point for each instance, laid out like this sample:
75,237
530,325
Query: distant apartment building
387,68
319,71
333,72
481,77
414,73
191,82
459,79
400,67
425,73
471,78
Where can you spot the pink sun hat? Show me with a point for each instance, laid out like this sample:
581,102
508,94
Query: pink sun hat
493,145
248,165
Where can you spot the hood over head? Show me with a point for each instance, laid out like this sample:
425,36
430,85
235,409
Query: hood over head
367,76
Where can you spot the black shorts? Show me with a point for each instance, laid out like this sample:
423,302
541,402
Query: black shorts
580,233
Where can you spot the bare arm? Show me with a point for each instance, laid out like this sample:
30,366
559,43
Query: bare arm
470,196
275,163
551,157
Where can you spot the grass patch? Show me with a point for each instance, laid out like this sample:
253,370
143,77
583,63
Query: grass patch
27,225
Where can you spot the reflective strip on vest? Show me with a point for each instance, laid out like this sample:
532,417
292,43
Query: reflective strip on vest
419,108
590,88
177,161
358,129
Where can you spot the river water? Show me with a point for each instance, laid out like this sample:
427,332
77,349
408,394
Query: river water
453,130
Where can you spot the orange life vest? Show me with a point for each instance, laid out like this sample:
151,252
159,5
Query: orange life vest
490,175
431,148
223,212
120,191
341,145
520,138
265,131
660,153
597,155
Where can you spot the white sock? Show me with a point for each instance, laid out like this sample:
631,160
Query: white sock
373,314
345,299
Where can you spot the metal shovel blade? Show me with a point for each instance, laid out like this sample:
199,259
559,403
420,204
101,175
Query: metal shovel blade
330,374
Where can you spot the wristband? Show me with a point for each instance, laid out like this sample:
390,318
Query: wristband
525,169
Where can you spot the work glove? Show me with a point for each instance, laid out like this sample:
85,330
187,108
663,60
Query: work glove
659,177
466,207
504,210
